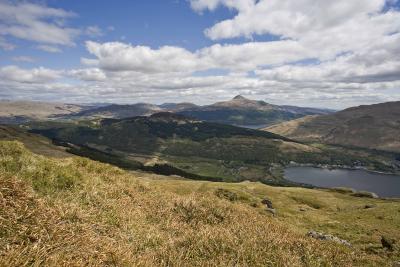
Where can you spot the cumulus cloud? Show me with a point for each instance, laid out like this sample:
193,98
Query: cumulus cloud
36,23
35,75
116,56
91,74
49,48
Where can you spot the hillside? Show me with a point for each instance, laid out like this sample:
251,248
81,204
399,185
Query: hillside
79,212
369,126
169,143
117,111
34,142
15,112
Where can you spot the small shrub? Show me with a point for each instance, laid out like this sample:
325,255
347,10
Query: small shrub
343,190
195,212
309,201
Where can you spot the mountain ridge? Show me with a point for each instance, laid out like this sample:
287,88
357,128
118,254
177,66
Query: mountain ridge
239,111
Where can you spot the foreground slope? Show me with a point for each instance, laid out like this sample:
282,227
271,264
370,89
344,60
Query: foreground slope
76,212
371,126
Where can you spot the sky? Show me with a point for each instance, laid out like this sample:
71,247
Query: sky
327,54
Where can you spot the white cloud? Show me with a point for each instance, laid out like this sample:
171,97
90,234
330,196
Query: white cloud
242,5
93,31
23,59
91,74
6,45
116,56
36,23
35,75
49,48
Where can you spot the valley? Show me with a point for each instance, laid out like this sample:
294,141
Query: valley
169,143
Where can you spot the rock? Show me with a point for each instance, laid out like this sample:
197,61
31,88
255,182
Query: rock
387,242
321,236
369,206
396,264
267,202
365,194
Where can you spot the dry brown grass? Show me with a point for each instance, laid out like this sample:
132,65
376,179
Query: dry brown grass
78,212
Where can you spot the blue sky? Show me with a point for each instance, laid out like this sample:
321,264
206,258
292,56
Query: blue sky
302,52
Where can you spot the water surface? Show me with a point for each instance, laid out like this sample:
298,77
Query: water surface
382,184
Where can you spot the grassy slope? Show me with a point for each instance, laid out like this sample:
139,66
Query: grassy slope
36,143
79,212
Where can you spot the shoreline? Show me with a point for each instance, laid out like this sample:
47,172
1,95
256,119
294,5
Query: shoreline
339,167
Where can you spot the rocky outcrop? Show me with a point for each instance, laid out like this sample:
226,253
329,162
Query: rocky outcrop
321,236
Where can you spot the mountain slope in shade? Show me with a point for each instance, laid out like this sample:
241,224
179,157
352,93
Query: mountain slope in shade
245,112
368,126
119,111
21,111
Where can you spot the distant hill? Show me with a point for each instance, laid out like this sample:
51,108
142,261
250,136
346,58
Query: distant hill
118,111
368,126
241,111
12,112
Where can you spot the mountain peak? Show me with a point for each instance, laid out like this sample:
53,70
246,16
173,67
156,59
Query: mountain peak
239,97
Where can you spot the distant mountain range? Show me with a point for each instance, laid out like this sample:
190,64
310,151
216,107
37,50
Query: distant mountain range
368,126
238,111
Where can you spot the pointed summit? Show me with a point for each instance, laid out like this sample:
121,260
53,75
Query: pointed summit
239,97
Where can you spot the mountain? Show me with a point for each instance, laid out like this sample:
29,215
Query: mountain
250,113
368,126
169,143
78,212
117,111
175,107
15,112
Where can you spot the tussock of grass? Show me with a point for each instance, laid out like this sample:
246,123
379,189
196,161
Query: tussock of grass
78,212
310,201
